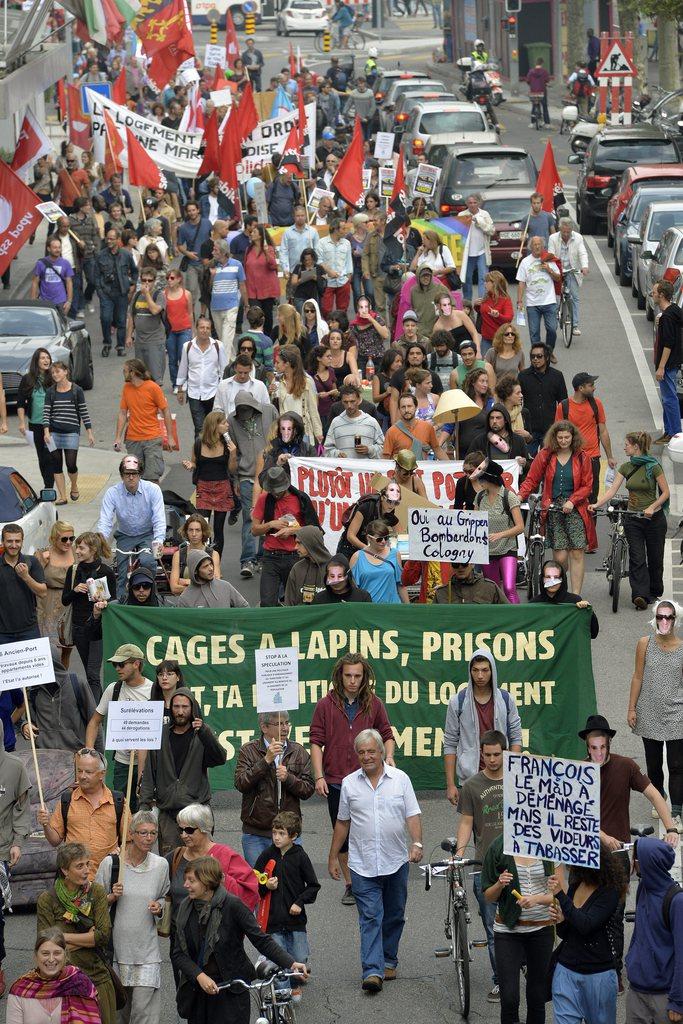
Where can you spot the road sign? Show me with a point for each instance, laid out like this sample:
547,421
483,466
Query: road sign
616,63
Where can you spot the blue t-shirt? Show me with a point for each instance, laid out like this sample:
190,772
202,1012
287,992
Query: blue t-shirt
225,293
186,236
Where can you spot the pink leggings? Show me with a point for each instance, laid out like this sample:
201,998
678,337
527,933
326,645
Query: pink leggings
502,569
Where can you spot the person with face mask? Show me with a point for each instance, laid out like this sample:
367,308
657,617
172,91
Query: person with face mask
307,577
205,589
249,428
555,590
340,586
458,324
468,586
498,440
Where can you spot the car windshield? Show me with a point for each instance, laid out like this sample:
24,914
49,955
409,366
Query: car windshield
445,121
412,87
37,323
662,220
643,198
487,168
636,151
507,209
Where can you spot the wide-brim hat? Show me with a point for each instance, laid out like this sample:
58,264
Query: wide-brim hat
597,723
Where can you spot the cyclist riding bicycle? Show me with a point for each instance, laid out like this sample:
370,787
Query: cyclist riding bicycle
568,246
343,19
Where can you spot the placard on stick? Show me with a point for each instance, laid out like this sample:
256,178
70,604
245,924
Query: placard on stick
384,146
134,724
551,809
448,535
26,663
277,679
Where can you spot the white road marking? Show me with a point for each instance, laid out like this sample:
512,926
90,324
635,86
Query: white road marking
635,345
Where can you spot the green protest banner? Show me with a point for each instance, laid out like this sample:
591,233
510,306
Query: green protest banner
420,655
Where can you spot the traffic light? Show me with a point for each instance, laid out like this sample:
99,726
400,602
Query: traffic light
512,25
513,6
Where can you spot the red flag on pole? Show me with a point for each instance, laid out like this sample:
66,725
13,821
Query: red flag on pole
211,161
165,32
61,97
231,146
397,208
219,80
247,114
31,144
232,46
301,124
291,159
119,92
19,216
113,147
549,183
142,169
79,124
292,62
348,178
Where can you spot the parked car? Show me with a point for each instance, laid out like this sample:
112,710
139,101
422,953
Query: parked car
479,168
396,89
19,503
667,256
633,179
28,324
301,16
656,219
435,125
610,152
509,208
628,223
667,112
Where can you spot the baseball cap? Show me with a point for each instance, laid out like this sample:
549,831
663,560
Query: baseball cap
410,314
328,133
126,651
583,378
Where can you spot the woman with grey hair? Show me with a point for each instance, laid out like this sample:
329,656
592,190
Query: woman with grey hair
153,236
136,903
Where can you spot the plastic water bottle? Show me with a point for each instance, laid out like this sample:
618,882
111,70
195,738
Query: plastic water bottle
369,369
609,477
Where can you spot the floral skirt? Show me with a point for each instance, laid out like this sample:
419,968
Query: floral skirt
565,533
215,495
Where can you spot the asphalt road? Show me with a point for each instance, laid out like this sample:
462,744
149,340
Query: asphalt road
616,345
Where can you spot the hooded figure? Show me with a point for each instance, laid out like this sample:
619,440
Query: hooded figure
207,593
142,575
249,427
343,588
654,962
424,298
462,732
307,576
321,330
296,444
60,711
561,595
499,444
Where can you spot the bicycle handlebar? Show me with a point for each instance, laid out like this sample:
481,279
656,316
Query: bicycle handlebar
139,551
259,983
459,862
642,830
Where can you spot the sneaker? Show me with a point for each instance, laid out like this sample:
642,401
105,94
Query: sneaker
677,824
494,995
232,518
553,358
577,332
91,309
640,603
373,983
247,572
296,995
349,900
531,124
664,439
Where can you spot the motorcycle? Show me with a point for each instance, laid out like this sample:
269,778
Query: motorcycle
492,74
477,90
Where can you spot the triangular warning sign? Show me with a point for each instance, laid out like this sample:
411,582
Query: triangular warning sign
615,63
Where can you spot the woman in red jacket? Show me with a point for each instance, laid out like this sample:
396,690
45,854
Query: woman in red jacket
564,472
495,308
260,268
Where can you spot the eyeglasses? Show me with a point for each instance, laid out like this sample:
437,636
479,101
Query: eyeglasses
666,618
172,277
67,539
188,829
147,835
508,333
131,472
141,586
149,280
537,355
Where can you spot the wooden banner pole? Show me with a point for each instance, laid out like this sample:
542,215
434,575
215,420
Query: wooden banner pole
33,748
126,817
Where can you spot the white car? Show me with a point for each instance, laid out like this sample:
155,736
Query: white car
434,125
35,513
301,16
657,219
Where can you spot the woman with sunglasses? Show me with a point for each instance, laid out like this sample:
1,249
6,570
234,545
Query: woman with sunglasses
366,511
648,494
90,551
56,561
655,706
378,568
180,319
505,354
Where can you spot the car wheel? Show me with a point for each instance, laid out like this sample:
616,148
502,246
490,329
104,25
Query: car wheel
634,286
624,276
640,298
277,28
87,378
586,222
610,238
649,311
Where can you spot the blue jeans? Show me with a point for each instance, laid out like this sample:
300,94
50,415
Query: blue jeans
113,313
573,289
32,633
487,913
549,315
381,904
589,997
669,399
253,847
126,543
477,263
248,541
174,348
296,944
534,446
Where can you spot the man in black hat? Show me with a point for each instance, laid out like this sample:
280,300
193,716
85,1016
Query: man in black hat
280,510
587,413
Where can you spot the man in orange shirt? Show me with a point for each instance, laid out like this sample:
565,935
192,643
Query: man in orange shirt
588,414
72,182
138,423
412,434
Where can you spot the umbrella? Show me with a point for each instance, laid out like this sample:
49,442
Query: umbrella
454,406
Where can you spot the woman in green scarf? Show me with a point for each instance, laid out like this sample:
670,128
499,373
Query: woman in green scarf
648,494
79,909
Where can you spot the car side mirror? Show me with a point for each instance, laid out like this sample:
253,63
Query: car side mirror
48,494
76,325
576,158
635,239
645,255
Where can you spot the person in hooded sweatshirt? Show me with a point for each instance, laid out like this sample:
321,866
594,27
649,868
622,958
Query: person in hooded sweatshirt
554,591
498,440
307,577
60,711
654,962
176,775
474,710
340,586
204,590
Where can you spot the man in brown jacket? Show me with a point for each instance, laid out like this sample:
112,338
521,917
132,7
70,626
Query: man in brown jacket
370,259
273,774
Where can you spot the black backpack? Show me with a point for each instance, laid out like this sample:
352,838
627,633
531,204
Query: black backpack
344,547
119,801
564,406
671,894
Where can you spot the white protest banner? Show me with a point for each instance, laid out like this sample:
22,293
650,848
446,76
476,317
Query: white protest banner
384,146
386,181
426,180
26,663
335,484
448,535
277,679
270,136
134,724
551,809
51,211
214,56
316,195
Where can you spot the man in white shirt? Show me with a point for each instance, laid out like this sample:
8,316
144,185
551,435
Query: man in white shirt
376,805
299,236
334,254
568,245
477,252
200,371
536,279
243,379
353,434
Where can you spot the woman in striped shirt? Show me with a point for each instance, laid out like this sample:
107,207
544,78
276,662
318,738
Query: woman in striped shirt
63,413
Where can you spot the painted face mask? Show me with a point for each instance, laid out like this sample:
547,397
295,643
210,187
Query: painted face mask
393,492
664,619
286,430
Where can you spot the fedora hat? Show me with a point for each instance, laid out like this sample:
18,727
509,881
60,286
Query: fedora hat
597,723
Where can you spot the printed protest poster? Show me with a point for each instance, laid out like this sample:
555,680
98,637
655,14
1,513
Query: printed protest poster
134,724
277,679
551,809
448,535
26,663
426,180
384,146
386,181
52,212
316,195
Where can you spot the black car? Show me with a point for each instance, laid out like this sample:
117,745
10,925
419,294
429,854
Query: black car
607,156
29,324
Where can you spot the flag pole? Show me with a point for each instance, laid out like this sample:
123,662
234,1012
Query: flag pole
523,238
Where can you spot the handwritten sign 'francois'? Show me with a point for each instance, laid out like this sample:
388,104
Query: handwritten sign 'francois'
551,809
448,535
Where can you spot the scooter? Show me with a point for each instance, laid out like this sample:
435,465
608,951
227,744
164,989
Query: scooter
493,77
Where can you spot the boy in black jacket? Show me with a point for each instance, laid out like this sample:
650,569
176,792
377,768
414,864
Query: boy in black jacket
291,885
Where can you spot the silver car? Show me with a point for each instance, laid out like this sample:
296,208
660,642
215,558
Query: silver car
35,513
658,217
667,256
396,89
434,125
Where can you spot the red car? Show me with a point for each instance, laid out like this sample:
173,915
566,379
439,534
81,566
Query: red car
630,182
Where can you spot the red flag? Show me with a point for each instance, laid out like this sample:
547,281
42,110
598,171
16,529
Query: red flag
348,178
79,124
193,114
113,147
247,114
292,62
290,154
231,146
19,217
119,92
302,119
232,46
165,32
61,97
142,169
211,161
397,208
549,183
219,80
31,144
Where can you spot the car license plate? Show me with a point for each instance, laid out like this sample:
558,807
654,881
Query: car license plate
509,234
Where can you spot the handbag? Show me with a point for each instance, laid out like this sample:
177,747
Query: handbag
120,994
451,275
164,925
65,633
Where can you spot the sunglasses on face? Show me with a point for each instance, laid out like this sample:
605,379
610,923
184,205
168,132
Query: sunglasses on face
68,539
187,829
131,472
142,586
666,618
537,355
507,334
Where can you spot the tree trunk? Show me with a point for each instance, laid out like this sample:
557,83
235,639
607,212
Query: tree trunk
628,22
669,74
576,33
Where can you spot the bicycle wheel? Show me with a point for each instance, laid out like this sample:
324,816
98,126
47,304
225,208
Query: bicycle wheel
461,957
285,1014
534,564
318,42
617,562
356,40
566,321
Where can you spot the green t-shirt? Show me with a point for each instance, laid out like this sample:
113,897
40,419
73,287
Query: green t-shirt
37,404
482,799
463,370
641,491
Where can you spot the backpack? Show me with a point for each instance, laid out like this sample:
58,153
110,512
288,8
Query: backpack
581,86
564,405
671,894
506,502
344,546
507,699
119,800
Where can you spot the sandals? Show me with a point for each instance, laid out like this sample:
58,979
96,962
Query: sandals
61,501
75,495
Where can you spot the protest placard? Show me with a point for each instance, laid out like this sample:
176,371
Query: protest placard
367,178
26,663
134,724
384,146
426,181
386,182
316,195
448,535
214,56
277,679
551,809
51,211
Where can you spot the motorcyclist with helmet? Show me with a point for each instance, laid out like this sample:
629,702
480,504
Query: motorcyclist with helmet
478,85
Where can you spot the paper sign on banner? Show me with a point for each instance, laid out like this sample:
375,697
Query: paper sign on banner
551,809
214,56
316,195
26,663
386,182
384,146
426,180
448,535
51,211
277,679
134,724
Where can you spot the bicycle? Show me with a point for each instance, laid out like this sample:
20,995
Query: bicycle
355,39
535,545
616,559
457,917
161,574
537,119
274,1006
565,313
